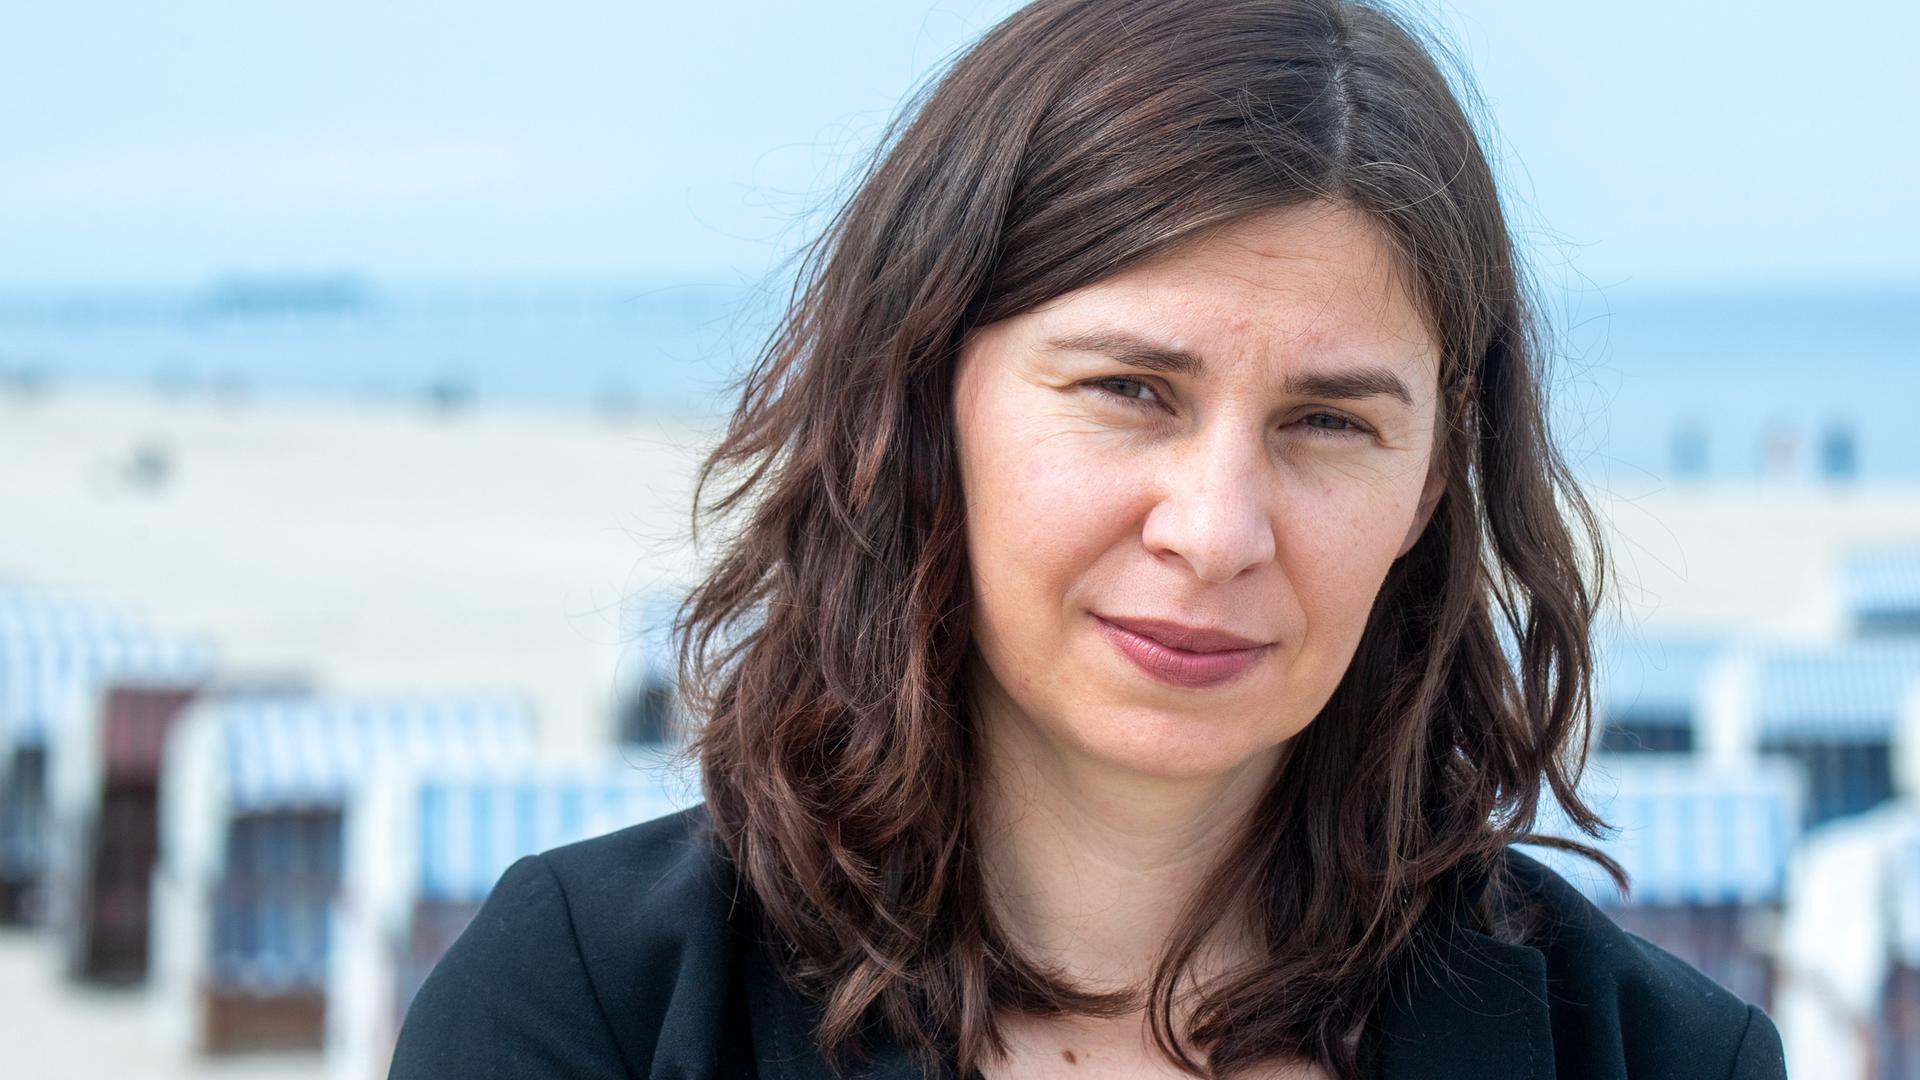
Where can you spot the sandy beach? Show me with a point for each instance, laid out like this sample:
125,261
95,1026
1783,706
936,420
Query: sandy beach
56,1030
371,550
394,550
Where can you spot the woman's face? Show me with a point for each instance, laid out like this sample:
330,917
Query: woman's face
1215,440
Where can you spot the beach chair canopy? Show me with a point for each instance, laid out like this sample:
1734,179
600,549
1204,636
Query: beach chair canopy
1849,692
55,642
48,670
1882,587
1655,675
1688,832
290,752
471,828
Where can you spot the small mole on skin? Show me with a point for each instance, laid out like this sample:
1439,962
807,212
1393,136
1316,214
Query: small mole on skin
1068,1054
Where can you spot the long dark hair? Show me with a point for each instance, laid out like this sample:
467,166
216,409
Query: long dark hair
824,647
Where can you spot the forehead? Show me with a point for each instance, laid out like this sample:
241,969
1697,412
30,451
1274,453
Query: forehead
1315,280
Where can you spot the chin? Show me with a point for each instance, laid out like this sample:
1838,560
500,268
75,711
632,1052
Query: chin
1169,746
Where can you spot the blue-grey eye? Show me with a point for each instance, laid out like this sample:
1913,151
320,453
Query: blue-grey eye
1351,426
1108,383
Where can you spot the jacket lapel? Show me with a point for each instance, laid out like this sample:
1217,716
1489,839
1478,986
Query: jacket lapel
1473,1007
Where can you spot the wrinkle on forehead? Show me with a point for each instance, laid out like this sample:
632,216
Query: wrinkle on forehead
1203,295
1339,235
1384,278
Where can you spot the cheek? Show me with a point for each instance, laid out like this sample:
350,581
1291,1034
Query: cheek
1041,509
1341,548
1043,512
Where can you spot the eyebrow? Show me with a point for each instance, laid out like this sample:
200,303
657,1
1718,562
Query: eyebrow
1348,385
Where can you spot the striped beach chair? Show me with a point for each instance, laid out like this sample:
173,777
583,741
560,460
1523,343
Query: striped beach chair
1649,691
56,654
254,793
1837,710
104,819
1706,849
1881,591
426,845
28,614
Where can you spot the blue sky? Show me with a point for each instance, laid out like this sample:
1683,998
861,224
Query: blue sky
1649,144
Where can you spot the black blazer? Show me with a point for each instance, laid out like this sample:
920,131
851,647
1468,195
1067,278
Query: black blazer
620,957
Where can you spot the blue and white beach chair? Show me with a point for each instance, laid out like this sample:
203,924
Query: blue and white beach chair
1838,710
1706,848
255,791
1650,691
425,845
1881,591
57,652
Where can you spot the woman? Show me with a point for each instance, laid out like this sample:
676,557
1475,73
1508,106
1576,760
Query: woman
1147,620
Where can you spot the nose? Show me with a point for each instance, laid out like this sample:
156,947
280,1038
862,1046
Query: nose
1214,510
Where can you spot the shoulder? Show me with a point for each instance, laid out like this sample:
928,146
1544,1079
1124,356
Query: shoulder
575,958
662,876
1616,997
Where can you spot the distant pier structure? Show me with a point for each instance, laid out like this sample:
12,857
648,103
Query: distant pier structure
282,295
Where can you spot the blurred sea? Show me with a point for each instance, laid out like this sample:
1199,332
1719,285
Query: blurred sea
608,347
1646,388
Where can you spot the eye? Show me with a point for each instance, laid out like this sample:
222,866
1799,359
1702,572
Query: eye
1128,389
1349,426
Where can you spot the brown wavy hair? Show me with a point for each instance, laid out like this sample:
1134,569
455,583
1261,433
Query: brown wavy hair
823,650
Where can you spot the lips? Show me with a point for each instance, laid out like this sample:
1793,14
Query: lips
1186,638
1210,665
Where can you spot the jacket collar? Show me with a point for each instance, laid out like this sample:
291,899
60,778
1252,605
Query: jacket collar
1474,1007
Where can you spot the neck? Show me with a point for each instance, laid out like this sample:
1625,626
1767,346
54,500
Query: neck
1090,866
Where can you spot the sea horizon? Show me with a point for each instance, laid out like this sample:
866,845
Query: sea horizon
1716,383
